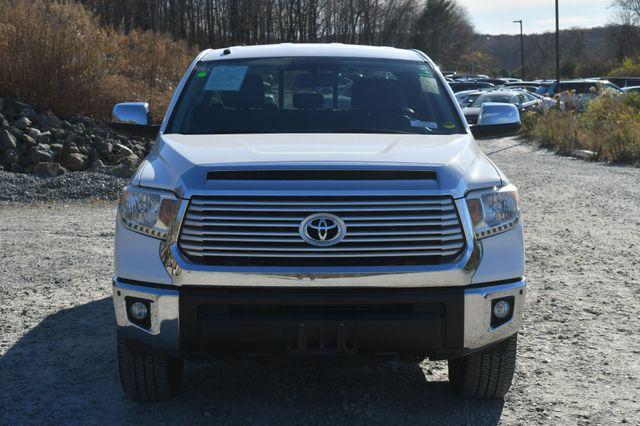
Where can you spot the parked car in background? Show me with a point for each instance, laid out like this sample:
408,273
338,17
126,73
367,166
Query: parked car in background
511,80
468,76
548,103
527,84
466,97
624,81
578,87
528,88
631,89
521,99
459,86
494,81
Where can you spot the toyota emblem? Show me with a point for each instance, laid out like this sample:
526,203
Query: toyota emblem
322,229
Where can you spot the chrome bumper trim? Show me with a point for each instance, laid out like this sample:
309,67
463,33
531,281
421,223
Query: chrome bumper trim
477,313
165,330
165,325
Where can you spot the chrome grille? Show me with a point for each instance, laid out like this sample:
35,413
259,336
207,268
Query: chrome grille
264,230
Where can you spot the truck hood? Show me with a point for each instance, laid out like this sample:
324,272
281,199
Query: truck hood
180,163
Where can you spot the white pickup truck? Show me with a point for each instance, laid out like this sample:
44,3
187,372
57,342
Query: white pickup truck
313,201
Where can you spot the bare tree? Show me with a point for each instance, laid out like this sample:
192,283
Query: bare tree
444,31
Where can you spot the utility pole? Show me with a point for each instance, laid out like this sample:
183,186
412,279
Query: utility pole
557,48
521,48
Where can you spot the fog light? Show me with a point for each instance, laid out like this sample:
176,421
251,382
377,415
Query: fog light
501,309
139,310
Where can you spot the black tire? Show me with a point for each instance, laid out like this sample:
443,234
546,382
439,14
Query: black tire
485,374
146,376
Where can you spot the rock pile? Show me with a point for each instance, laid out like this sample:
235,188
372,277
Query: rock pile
36,141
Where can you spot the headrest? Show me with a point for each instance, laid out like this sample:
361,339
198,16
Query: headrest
250,95
378,94
308,100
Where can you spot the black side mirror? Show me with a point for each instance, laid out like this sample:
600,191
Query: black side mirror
132,119
496,120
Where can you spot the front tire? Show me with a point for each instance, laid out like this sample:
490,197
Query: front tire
487,374
146,376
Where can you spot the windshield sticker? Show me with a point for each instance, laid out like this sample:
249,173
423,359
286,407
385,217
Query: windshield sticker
226,78
202,74
448,125
424,71
424,124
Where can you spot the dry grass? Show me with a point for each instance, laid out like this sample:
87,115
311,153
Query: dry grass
609,126
54,54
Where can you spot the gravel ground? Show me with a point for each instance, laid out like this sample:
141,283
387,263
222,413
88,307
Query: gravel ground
23,188
579,355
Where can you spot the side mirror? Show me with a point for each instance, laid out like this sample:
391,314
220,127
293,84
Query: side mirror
132,119
497,119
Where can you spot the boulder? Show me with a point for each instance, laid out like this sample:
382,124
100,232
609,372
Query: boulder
22,123
15,131
3,121
97,166
123,170
48,169
49,120
120,152
74,139
10,158
70,148
7,140
56,147
42,154
584,154
103,147
79,128
58,134
44,137
28,112
74,161
28,142
33,132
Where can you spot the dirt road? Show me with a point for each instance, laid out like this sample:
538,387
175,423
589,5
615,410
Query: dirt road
579,355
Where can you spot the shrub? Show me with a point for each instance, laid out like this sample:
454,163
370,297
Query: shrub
55,54
629,68
609,126
613,125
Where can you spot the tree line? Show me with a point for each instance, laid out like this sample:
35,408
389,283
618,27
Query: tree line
427,25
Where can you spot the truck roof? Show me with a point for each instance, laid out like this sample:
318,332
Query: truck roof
311,49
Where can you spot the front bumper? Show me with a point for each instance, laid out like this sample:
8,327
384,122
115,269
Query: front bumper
444,322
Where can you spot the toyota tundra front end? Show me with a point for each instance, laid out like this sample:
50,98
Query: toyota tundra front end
317,201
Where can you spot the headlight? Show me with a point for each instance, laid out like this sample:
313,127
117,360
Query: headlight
493,211
147,211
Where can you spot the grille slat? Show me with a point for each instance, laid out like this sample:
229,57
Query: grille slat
320,202
206,239
296,224
324,208
321,255
264,230
280,248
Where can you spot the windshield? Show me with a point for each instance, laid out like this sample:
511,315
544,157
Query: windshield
491,98
314,95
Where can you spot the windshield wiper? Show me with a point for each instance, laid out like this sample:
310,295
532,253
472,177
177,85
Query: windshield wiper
370,130
240,131
350,130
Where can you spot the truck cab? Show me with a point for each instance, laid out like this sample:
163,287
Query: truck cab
317,201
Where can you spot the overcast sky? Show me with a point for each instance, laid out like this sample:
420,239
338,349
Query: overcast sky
496,16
